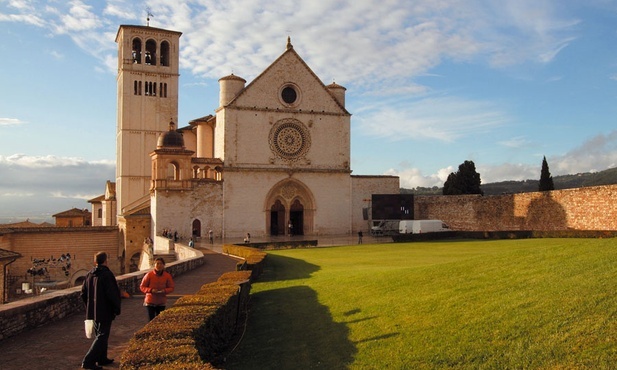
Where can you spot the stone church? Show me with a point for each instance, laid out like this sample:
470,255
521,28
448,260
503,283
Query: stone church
272,158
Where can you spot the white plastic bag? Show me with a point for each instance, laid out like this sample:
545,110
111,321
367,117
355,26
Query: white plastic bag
89,325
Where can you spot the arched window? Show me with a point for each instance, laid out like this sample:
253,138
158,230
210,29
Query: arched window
218,174
165,53
151,52
173,171
136,50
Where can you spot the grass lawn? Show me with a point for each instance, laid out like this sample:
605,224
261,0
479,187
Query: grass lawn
495,304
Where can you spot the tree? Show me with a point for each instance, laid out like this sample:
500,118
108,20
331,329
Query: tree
546,180
465,181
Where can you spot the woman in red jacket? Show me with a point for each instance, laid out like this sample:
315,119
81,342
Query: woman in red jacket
156,284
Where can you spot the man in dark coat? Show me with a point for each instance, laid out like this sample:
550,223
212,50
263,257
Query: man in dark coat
101,295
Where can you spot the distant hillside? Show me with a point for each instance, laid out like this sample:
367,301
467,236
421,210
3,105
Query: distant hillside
606,177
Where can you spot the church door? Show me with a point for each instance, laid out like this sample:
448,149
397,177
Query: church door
277,219
296,216
196,229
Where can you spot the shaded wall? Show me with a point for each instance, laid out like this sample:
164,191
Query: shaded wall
590,208
44,243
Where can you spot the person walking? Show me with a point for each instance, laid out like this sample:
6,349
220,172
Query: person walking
156,284
211,236
359,237
101,296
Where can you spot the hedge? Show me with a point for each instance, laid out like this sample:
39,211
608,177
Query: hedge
194,333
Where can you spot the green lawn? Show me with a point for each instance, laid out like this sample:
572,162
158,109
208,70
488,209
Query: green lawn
499,304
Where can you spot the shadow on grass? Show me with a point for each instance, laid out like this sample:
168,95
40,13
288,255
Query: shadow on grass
280,268
288,328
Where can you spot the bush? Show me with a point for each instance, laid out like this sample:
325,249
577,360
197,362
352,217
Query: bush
192,333
141,354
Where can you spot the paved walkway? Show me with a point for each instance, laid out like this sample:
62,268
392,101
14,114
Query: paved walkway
62,344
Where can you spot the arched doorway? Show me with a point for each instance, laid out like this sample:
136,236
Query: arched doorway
289,201
296,217
196,228
277,218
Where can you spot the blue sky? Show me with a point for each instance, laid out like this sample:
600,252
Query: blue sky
430,84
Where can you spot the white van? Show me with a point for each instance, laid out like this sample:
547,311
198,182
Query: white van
421,226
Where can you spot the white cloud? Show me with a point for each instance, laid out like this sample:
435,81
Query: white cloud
412,177
44,175
596,154
515,142
440,118
374,43
62,195
11,122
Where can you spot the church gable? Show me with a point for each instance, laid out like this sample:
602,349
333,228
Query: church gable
289,84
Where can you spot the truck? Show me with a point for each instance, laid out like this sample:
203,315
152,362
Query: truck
422,226
384,227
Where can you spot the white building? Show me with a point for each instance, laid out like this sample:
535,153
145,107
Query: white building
274,152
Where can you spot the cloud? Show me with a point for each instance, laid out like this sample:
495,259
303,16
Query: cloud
374,44
515,142
596,154
412,177
443,119
47,175
11,122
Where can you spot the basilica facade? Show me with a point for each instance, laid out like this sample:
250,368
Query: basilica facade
271,158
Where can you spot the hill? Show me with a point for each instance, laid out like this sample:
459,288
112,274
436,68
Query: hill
579,180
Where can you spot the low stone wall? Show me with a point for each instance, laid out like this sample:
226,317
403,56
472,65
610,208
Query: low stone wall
589,208
30,313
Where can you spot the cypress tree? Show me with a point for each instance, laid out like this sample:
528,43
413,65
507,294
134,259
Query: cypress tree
546,180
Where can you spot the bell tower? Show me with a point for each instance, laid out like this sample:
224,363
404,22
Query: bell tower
148,72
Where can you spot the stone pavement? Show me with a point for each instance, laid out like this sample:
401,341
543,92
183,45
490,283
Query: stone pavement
62,344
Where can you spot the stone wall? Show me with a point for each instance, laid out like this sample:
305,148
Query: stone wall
590,208
44,243
30,313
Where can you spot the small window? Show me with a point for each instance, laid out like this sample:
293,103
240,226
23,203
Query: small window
289,95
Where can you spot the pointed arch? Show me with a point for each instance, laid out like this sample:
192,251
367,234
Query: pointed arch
289,202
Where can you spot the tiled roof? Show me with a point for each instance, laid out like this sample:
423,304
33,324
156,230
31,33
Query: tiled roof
73,212
26,224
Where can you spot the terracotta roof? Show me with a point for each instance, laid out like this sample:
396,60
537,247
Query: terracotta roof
73,212
232,77
98,199
26,224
